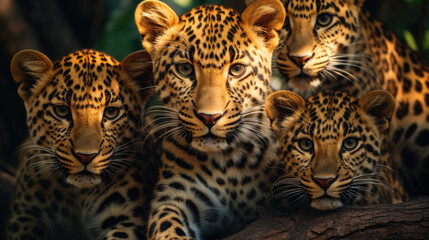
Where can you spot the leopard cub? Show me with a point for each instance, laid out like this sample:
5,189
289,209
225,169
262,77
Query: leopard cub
334,149
80,174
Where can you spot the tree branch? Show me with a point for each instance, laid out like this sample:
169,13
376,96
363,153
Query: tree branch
408,220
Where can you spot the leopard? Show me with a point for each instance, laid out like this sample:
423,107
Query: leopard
335,150
84,172
338,45
212,68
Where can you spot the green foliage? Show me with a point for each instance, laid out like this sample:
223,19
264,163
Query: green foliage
120,36
407,26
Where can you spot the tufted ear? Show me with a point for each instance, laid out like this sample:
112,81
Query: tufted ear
356,3
152,19
266,18
248,2
379,104
281,105
138,66
29,68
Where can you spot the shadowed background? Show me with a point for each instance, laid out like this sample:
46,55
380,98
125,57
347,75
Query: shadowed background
58,27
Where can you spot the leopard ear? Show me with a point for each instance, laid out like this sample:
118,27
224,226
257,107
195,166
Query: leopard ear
266,18
29,68
138,66
248,2
379,104
152,19
357,3
282,105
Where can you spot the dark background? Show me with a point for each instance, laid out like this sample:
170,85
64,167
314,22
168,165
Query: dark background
58,27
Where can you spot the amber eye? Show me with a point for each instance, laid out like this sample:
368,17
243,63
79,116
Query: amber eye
111,112
306,144
349,144
62,111
185,69
237,70
324,19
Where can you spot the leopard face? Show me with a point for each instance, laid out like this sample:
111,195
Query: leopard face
82,111
315,40
333,148
212,69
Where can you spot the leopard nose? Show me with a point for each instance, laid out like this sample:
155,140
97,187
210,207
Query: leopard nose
300,61
324,182
85,158
209,119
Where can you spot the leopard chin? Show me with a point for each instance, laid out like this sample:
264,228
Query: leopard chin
81,180
326,203
305,83
210,144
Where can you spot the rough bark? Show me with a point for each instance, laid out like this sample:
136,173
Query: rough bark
409,220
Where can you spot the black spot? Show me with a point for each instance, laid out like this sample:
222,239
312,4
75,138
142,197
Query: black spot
113,221
179,232
423,138
202,197
121,235
133,193
177,185
138,211
251,194
409,158
167,174
44,183
165,225
115,198
40,196
418,109
410,131
194,210
24,219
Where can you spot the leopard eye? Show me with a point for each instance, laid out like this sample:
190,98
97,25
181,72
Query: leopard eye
185,69
62,111
306,144
349,144
324,19
237,70
111,112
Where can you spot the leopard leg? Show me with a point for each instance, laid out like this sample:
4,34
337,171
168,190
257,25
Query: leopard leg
24,224
169,222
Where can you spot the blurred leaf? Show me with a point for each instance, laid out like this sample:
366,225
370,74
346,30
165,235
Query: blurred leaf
409,38
120,36
426,41
183,3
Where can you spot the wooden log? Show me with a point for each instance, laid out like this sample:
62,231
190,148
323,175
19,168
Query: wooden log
409,220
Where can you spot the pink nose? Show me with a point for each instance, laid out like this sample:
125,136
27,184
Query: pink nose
86,158
324,182
300,61
209,119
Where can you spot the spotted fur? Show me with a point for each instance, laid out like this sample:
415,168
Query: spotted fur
334,149
80,176
334,44
212,72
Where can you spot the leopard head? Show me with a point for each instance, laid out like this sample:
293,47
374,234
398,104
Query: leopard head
332,145
83,111
211,68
